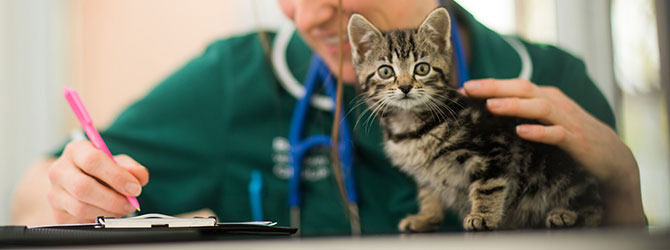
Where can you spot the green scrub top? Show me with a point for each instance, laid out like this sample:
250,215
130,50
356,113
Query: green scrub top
204,129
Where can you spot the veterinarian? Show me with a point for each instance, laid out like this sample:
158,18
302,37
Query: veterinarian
194,141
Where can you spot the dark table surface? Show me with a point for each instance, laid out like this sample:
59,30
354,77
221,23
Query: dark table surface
540,239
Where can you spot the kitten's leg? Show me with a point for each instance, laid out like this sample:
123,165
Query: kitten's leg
593,215
430,216
560,217
590,216
487,200
585,209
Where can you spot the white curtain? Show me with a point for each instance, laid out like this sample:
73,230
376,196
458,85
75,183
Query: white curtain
33,56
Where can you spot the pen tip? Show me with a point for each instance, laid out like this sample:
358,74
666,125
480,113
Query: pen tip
138,209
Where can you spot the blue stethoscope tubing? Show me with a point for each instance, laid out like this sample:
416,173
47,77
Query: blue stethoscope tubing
461,65
319,73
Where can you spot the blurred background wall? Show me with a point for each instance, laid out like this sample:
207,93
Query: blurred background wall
33,49
114,51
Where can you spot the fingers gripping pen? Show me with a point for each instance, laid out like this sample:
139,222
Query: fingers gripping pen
87,123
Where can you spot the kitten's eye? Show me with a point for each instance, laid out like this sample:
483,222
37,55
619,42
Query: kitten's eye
421,69
385,72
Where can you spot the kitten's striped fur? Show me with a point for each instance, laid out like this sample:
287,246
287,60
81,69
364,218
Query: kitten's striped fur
461,156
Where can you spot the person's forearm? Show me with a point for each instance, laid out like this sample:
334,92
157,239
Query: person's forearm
30,205
623,201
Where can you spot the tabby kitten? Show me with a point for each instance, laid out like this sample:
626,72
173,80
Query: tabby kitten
461,156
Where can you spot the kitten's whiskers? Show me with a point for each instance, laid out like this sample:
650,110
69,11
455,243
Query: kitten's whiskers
368,108
382,105
359,101
441,103
433,104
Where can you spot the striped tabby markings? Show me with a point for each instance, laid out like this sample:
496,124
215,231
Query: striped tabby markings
430,215
487,198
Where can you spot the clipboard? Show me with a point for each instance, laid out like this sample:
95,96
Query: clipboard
141,229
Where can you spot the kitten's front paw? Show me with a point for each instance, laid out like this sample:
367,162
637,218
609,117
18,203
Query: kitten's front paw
479,222
418,224
559,218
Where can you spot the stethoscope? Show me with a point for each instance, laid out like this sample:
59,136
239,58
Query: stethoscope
319,73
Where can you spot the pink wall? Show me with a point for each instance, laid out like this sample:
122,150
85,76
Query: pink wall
122,48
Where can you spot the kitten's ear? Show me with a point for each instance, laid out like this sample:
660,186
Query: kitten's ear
362,36
437,29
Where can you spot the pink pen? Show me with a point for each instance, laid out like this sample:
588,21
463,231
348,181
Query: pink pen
92,133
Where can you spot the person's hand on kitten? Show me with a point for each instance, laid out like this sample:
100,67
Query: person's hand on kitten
86,184
565,124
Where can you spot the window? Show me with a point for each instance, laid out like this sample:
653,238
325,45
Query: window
643,119
625,67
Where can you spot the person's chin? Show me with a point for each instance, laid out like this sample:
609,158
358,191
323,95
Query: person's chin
348,72
349,75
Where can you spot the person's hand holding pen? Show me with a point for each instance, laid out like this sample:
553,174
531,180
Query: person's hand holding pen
86,183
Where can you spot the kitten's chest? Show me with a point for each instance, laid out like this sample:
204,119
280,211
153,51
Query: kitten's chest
411,155
420,158
415,149
402,143
402,123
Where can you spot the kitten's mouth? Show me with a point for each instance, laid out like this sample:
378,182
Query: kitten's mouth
405,98
407,102
413,101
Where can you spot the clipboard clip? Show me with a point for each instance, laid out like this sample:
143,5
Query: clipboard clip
155,220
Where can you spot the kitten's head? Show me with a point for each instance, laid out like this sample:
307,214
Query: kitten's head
403,69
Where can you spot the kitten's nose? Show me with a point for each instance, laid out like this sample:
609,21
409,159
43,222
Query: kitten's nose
405,88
